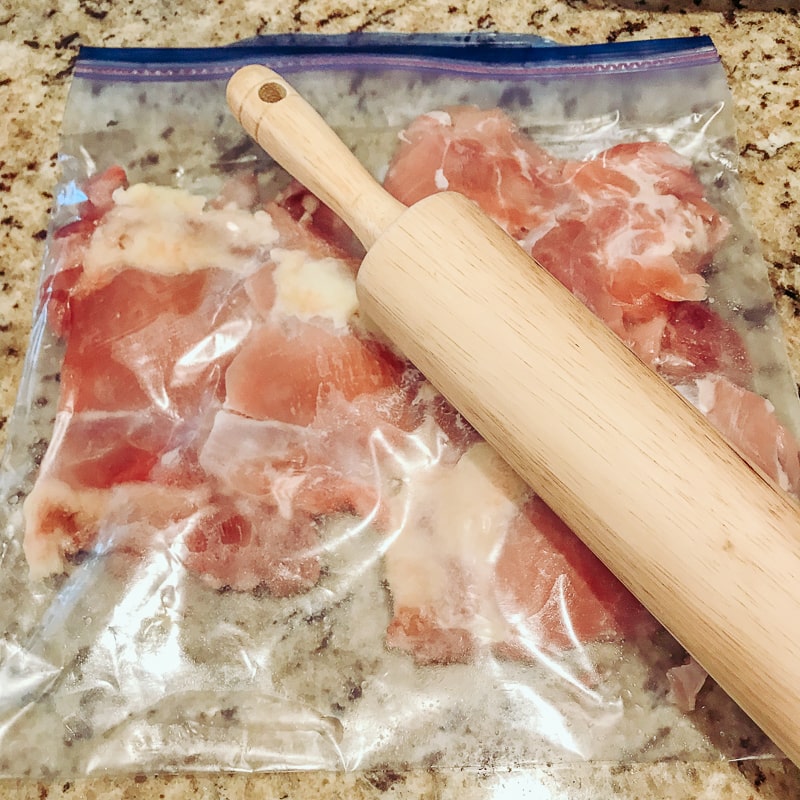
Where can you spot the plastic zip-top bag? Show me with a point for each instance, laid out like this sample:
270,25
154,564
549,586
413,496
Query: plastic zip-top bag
241,531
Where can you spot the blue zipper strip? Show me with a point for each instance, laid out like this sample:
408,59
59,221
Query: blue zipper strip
496,55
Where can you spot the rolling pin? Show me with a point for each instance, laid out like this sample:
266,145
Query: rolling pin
702,538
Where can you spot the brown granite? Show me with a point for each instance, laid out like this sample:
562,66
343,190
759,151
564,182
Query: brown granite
760,47
672,781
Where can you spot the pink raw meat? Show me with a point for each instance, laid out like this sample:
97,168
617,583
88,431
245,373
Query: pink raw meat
748,421
685,683
483,565
175,380
481,155
241,543
623,231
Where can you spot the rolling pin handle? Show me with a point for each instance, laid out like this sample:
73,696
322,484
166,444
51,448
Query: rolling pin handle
295,135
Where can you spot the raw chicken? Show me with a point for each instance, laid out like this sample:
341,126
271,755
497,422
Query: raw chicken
749,422
284,372
182,364
685,683
624,231
481,155
483,565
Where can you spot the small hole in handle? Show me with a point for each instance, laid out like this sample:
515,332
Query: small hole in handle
271,92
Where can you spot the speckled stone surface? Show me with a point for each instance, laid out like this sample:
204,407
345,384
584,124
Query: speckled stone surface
760,47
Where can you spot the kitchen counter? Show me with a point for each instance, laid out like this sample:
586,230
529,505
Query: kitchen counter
760,47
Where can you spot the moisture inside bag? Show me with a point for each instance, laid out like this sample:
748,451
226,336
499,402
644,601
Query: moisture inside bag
244,532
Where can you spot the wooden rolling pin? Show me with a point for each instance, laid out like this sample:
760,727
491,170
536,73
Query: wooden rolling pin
700,536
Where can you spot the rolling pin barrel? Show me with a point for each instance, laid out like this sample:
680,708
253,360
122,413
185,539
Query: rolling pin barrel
700,536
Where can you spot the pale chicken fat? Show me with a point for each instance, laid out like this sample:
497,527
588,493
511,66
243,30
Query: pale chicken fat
62,520
307,288
170,231
456,519
53,512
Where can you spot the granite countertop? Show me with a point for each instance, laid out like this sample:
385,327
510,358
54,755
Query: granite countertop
760,48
